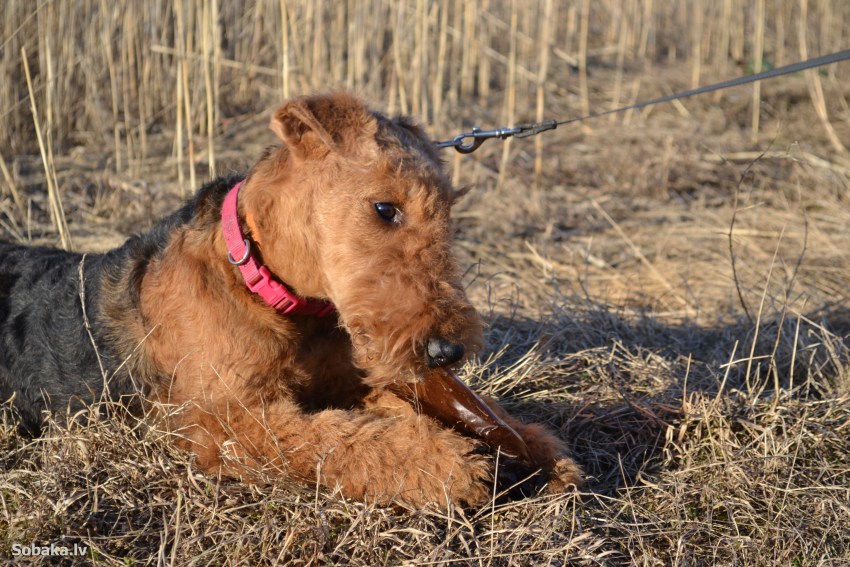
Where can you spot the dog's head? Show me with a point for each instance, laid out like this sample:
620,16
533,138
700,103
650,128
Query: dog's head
354,208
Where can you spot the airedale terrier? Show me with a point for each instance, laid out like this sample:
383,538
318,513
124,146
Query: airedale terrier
306,378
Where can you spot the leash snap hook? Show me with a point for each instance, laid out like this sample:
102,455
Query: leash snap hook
478,136
471,146
458,141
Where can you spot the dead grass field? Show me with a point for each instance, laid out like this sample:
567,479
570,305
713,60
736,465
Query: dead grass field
667,289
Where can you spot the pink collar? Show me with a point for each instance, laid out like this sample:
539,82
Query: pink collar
257,277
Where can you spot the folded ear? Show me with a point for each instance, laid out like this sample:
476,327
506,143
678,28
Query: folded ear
300,130
312,127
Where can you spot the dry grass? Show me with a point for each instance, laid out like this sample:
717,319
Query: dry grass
668,290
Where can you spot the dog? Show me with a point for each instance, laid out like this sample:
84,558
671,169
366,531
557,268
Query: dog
275,318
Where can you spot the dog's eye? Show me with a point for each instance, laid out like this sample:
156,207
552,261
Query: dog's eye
386,211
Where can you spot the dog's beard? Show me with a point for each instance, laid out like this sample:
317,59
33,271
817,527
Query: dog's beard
387,357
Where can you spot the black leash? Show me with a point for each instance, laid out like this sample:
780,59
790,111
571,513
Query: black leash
479,136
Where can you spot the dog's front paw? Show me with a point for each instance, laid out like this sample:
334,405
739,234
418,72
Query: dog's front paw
455,471
413,462
474,486
564,475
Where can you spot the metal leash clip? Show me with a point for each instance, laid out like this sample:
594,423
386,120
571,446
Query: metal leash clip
479,136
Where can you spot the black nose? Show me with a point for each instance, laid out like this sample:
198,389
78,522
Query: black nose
442,352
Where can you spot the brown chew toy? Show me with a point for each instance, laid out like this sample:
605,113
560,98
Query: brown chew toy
441,395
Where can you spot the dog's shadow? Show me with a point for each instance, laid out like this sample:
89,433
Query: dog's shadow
616,389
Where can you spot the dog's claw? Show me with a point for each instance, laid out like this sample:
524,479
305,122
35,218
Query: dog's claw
441,395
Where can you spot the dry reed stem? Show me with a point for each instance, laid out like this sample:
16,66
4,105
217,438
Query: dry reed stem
510,101
11,187
442,49
183,64
758,57
400,74
113,89
618,77
814,83
284,39
543,68
697,29
178,126
584,30
57,211
206,32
